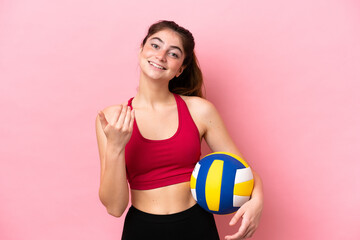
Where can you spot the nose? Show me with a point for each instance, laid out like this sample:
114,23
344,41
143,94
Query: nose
161,55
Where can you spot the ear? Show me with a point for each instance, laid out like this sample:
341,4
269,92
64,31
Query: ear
140,50
180,71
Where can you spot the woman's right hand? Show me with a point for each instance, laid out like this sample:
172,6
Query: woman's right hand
118,127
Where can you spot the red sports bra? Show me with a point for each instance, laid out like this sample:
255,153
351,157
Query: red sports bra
157,163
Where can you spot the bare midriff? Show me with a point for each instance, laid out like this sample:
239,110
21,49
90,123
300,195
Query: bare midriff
165,200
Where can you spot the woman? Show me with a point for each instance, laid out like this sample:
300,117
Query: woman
157,152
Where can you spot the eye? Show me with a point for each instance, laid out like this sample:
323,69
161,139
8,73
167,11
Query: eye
174,55
155,45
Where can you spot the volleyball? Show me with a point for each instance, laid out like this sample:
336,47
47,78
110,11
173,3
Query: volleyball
221,182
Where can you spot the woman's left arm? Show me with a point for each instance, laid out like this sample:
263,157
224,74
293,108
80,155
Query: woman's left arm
218,139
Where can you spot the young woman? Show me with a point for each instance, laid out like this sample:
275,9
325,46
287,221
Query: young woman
153,142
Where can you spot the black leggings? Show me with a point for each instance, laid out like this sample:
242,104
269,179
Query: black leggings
193,223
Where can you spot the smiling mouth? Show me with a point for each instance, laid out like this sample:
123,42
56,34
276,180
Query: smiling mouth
156,65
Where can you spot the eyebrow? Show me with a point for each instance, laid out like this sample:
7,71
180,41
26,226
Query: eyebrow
159,39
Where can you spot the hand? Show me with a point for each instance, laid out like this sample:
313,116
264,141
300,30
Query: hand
250,214
119,128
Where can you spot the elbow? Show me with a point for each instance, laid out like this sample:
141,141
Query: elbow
115,212
114,206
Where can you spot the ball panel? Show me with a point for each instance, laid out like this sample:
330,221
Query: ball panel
196,170
238,201
227,188
244,188
213,185
193,192
205,164
227,210
234,156
192,182
194,176
243,175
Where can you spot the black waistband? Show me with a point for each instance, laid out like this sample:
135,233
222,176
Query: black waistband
188,213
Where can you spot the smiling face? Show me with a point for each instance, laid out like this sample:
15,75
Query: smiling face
162,55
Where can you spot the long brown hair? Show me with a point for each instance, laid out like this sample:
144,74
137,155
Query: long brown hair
190,81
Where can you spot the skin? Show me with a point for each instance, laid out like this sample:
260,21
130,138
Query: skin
155,107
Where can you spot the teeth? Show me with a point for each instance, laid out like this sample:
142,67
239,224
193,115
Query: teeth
157,66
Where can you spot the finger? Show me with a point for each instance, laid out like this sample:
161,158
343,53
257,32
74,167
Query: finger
244,227
242,231
116,115
132,119
127,118
102,119
236,236
120,121
250,233
238,215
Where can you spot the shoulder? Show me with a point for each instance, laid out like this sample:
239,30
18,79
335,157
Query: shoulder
201,109
199,106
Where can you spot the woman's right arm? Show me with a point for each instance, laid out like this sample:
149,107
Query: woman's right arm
113,130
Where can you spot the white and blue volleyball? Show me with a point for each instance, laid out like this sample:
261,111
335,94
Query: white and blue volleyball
221,182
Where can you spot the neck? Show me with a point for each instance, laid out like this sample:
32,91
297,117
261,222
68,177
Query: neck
153,92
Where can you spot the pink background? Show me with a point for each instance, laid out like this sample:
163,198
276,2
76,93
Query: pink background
283,74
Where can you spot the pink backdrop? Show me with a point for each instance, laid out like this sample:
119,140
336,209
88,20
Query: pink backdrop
283,74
